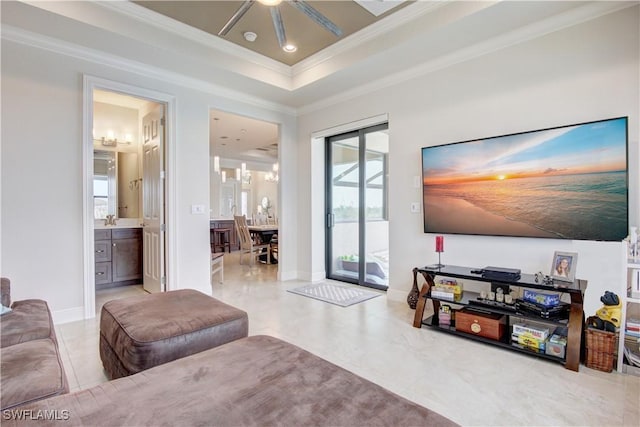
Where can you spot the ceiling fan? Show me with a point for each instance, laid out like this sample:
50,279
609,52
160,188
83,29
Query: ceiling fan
274,7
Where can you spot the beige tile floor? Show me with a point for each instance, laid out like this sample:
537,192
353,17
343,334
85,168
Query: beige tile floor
471,383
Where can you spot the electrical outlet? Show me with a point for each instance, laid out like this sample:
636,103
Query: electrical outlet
415,207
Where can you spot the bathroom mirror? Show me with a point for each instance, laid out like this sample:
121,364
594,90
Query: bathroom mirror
117,185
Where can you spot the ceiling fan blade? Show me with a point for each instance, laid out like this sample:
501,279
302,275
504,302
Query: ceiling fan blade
244,7
316,16
278,25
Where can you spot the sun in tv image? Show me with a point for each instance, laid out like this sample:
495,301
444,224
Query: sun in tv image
567,182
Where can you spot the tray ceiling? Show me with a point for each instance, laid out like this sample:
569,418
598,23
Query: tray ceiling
309,37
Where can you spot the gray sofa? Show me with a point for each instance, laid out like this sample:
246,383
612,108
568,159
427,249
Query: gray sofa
253,381
30,367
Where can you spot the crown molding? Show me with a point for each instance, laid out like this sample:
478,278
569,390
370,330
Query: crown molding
355,40
40,41
538,29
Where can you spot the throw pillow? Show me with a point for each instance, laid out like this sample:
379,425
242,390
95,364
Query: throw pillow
4,310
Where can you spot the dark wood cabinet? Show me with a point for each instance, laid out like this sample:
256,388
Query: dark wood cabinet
118,257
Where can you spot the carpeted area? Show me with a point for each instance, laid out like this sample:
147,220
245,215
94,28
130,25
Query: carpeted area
341,295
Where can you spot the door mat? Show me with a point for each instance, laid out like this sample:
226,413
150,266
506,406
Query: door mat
343,296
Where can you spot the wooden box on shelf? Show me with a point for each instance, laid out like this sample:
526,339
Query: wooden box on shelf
487,325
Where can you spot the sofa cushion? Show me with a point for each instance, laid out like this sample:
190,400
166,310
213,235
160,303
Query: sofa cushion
255,381
141,332
29,320
31,371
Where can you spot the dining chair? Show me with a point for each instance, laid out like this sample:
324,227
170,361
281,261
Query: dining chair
274,247
247,245
217,266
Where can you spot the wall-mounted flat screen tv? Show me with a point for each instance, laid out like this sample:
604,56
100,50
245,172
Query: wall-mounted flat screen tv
567,182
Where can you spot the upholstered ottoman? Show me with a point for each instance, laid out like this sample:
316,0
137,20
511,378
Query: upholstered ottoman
141,332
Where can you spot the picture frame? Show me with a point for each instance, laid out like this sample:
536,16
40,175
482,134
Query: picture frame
563,266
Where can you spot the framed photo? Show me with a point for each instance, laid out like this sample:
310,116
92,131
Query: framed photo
564,266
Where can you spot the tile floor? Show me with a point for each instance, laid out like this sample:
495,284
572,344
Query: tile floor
471,383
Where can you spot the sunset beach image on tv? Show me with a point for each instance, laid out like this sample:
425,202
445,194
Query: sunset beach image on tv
567,182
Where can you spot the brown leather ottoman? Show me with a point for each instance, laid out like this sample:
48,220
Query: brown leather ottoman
141,332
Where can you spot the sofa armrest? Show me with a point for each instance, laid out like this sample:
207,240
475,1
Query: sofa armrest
5,291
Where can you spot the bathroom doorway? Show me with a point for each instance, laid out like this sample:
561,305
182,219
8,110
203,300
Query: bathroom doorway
126,205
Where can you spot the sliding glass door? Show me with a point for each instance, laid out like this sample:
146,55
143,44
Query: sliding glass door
357,228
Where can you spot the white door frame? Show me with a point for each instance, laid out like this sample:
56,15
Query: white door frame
89,84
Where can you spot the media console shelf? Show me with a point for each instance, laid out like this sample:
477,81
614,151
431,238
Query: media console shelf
574,324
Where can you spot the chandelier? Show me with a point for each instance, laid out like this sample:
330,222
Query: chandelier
272,176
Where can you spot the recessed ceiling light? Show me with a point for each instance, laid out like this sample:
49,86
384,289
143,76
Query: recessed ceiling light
250,36
224,137
289,48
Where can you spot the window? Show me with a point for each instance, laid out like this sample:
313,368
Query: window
100,196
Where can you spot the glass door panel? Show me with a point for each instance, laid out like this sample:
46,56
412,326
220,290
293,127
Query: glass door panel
357,220
345,207
376,234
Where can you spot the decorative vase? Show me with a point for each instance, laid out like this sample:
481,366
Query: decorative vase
412,298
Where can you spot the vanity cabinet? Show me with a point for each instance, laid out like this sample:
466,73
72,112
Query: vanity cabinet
118,257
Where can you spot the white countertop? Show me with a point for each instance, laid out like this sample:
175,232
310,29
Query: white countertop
120,223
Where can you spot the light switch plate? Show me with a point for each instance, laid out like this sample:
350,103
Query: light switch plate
415,207
197,209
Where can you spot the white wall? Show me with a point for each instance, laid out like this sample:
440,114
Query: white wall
587,72
42,175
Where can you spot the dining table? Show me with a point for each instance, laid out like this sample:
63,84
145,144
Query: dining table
264,233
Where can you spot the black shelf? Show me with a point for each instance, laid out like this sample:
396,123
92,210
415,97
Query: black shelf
525,280
502,343
468,296
574,324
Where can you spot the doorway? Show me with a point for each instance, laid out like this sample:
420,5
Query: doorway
357,213
244,176
125,162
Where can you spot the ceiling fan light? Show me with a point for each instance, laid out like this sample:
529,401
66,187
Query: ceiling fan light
270,2
289,48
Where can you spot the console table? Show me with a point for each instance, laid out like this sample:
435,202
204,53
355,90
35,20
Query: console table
574,324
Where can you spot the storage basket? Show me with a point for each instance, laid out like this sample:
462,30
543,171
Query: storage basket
600,349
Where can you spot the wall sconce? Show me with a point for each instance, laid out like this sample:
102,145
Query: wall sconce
135,184
224,176
216,164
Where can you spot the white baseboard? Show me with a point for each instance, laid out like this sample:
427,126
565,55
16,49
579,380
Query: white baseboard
287,275
397,295
68,315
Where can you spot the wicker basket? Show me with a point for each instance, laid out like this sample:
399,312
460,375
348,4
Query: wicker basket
600,349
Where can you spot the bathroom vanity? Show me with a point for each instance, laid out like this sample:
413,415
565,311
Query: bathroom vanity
118,256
